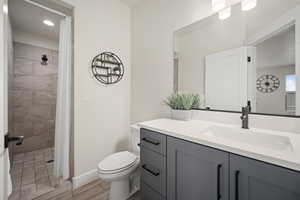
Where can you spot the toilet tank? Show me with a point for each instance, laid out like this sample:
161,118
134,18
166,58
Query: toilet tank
135,138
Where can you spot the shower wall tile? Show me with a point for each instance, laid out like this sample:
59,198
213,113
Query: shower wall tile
23,128
34,53
21,51
44,98
34,82
51,124
41,127
41,111
21,97
23,113
33,97
23,66
50,69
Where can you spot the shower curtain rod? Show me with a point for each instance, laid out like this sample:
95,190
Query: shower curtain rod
46,8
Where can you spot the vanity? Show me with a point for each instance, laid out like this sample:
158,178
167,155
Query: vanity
205,160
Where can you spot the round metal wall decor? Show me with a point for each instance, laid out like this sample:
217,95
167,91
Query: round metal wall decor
267,83
107,68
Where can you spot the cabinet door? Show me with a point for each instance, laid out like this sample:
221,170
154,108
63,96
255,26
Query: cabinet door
196,172
255,180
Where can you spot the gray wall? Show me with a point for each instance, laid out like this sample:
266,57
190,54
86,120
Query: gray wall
276,56
34,97
274,102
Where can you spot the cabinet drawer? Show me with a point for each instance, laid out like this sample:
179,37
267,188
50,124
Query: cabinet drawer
154,141
153,170
148,194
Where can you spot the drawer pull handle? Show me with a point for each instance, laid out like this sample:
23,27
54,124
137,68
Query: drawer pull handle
237,173
151,142
219,196
150,171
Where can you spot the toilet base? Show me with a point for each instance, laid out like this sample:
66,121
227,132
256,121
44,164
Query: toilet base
119,190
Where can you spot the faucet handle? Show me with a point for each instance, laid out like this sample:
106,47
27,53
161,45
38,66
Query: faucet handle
243,110
249,106
246,109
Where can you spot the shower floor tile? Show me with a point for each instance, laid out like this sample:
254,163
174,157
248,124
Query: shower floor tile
32,174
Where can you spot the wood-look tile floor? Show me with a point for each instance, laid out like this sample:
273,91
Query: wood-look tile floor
97,190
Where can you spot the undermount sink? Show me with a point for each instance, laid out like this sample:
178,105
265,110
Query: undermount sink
259,139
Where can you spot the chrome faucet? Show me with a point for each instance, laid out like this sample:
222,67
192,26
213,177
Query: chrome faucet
245,116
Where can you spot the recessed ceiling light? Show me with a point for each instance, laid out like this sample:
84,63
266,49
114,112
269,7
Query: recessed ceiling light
218,5
248,4
224,14
48,22
5,8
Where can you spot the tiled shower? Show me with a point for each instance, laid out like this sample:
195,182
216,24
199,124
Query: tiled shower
33,97
32,106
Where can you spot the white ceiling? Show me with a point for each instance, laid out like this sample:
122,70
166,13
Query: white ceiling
29,18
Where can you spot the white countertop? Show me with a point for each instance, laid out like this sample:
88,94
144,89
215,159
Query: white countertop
195,131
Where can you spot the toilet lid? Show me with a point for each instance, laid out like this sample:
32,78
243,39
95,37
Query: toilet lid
117,161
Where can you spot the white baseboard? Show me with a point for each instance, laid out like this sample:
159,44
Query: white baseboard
85,178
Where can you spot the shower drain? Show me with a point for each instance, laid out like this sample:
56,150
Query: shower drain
50,161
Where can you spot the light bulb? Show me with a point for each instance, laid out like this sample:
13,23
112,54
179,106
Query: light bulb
224,14
218,5
248,4
5,8
48,22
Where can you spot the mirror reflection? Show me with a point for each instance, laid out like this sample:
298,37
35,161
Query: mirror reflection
246,58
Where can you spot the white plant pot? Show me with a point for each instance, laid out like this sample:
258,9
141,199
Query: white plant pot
184,115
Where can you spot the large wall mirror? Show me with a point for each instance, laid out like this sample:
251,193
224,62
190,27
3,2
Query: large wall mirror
249,57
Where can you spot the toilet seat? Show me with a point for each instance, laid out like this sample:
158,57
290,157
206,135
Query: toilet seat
117,163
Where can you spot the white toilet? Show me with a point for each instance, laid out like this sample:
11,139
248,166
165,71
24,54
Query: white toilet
117,168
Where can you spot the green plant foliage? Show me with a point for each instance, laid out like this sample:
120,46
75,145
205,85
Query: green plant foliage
197,101
178,101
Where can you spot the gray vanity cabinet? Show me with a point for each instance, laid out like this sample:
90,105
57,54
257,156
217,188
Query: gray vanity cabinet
255,180
175,169
196,172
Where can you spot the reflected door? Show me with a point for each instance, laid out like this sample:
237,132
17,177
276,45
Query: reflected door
226,79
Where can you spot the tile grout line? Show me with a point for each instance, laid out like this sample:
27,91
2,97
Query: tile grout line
35,177
21,185
46,167
21,181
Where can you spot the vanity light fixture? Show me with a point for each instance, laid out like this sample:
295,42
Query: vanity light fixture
248,4
48,22
218,5
224,14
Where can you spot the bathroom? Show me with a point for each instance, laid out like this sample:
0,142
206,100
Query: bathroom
235,136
